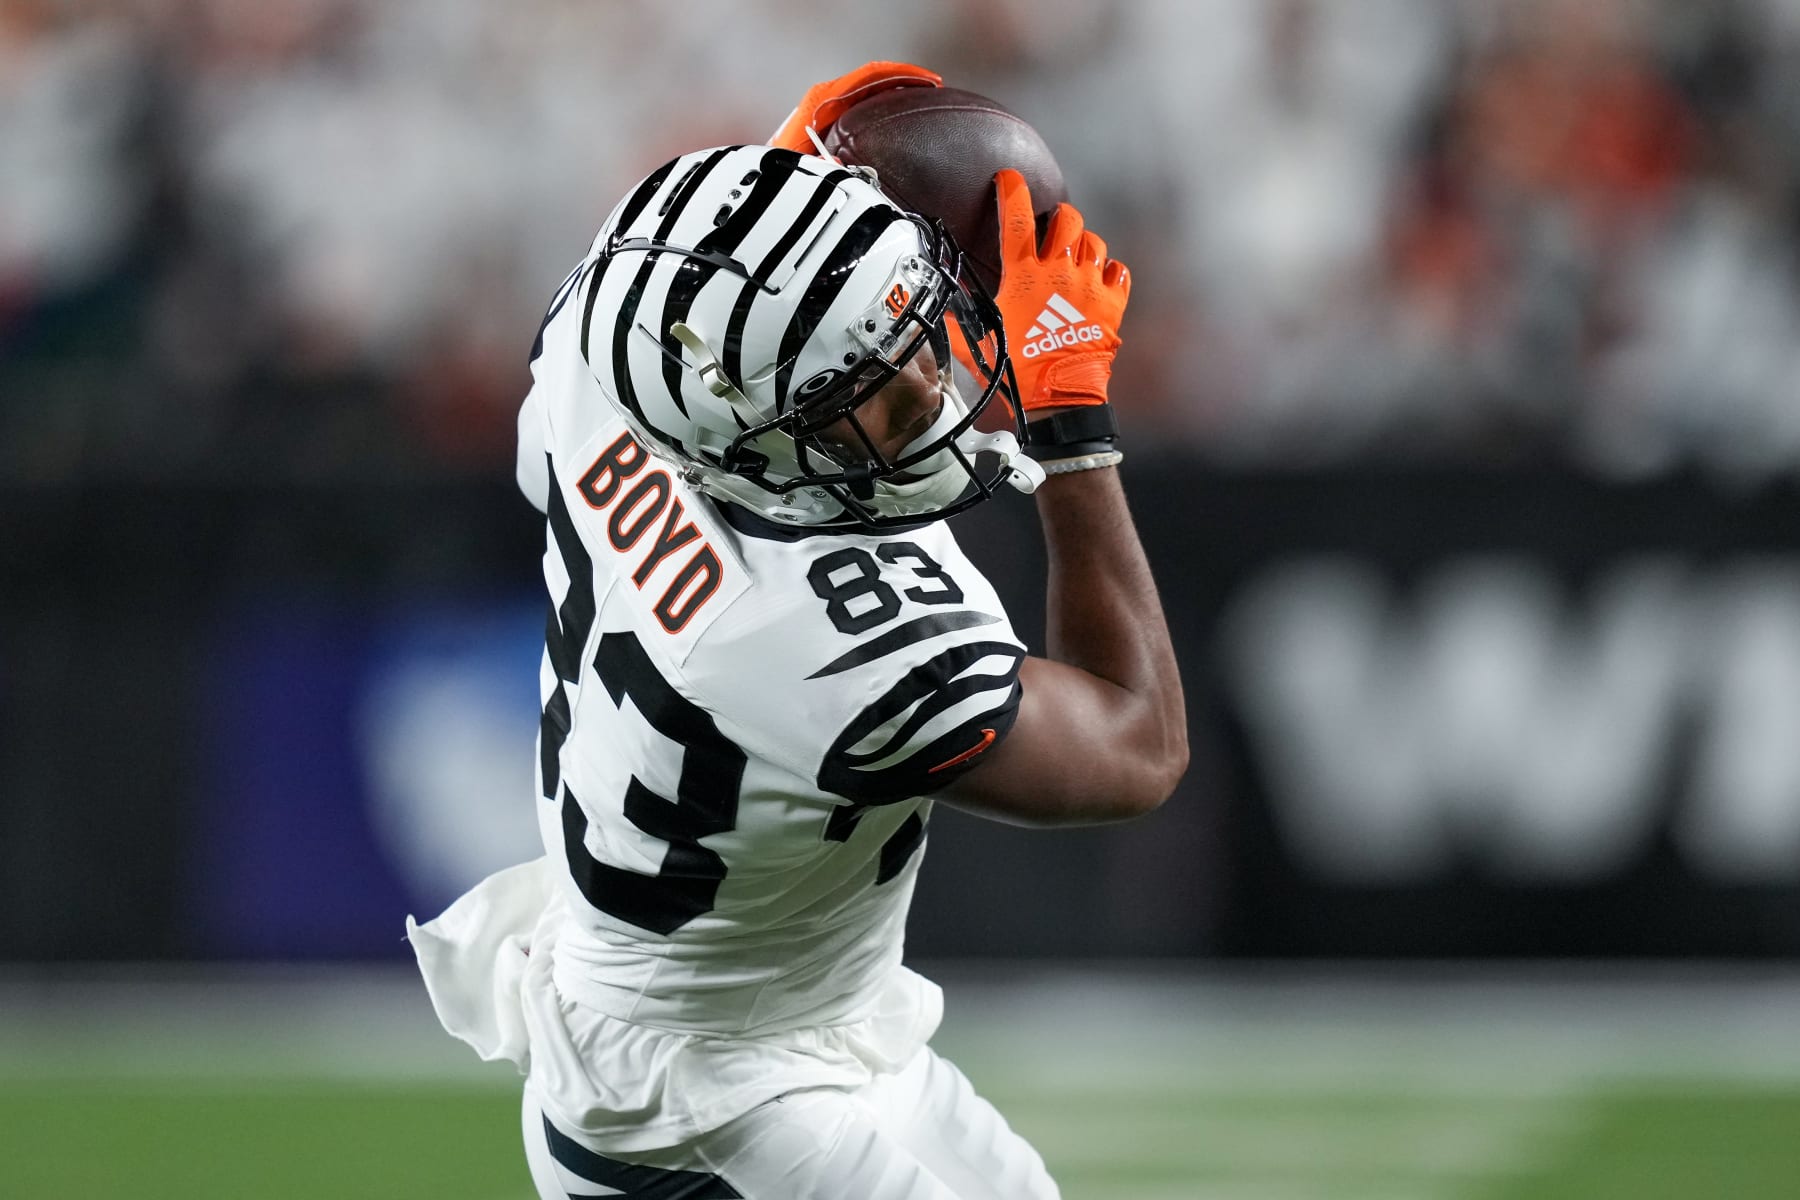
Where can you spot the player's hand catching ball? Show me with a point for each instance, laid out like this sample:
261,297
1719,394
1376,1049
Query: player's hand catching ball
1061,300
825,102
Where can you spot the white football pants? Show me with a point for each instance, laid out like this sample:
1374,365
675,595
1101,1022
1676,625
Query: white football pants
919,1134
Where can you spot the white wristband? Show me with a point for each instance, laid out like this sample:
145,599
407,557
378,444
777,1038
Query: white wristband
1085,462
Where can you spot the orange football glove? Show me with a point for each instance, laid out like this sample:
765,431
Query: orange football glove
1061,302
825,102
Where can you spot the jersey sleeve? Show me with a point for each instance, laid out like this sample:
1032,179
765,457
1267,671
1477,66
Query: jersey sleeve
876,671
531,469
923,728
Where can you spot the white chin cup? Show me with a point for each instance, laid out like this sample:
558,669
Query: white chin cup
1022,472
924,495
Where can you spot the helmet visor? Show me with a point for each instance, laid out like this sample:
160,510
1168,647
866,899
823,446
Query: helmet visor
842,431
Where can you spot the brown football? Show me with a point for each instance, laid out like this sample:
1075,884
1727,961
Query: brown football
935,151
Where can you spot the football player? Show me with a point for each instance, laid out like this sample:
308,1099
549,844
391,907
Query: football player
755,402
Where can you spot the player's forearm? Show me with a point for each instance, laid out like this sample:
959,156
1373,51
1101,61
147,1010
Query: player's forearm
1103,616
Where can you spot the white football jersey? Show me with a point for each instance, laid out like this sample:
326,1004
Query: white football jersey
740,722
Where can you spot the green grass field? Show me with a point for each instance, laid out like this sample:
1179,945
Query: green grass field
1301,1089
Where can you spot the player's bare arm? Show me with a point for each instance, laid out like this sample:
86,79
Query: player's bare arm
1102,729
1101,733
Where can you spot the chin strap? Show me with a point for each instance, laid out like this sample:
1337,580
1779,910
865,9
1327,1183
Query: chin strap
706,365
1022,471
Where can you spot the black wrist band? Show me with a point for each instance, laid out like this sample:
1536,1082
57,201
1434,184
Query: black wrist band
1084,430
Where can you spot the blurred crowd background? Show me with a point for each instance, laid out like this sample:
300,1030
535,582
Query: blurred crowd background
1461,383
304,237
1461,395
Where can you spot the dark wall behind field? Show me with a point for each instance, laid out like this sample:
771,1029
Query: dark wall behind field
1491,628
1435,713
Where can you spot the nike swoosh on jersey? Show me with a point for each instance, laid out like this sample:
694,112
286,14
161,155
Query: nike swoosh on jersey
987,739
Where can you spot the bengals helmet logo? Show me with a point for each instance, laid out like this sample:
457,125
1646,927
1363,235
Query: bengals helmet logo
897,300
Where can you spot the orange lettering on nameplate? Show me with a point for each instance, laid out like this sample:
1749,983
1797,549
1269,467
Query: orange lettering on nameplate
650,507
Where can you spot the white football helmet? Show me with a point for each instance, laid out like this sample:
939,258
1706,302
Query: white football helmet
740,300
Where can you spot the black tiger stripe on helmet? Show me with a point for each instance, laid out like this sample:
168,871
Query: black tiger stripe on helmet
733,308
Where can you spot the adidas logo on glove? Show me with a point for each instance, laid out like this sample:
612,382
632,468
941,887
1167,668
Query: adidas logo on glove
1057,326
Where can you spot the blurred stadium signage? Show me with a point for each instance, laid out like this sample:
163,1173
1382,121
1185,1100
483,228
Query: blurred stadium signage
1476,712
1468,713
1486,711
